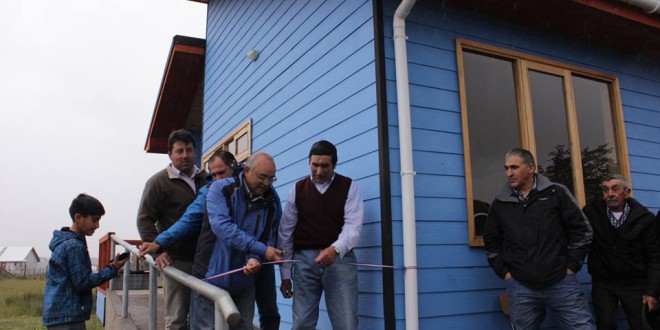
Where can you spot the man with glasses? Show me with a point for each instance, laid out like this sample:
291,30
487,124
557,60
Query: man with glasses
320,227
244,216
624,261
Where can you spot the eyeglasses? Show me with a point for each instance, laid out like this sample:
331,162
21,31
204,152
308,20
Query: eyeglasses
266,178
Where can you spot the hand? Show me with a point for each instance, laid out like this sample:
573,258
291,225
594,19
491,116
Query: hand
327,257
148,248
285,288
650,301
507,276
252,266
273,254
163,260
118,264
569,272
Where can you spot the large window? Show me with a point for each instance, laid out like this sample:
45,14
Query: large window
568,117
238,142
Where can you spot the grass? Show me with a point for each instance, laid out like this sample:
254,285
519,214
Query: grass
21,301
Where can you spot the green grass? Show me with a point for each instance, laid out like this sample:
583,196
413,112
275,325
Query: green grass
20,305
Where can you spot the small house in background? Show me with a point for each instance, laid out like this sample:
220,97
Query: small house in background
422,117
21,261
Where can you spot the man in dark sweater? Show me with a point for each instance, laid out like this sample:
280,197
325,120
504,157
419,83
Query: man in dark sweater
320,227
166,196
536,239
624,261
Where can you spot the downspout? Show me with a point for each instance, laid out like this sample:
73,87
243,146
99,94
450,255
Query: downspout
649,6
407,173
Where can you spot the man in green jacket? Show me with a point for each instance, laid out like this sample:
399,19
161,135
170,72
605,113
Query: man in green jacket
624,261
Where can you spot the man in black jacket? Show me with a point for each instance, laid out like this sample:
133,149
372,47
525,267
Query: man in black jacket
624,261
536,239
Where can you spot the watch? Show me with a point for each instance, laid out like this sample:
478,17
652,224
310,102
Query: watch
336,250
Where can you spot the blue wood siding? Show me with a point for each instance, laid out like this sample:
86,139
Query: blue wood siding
314,79
457,288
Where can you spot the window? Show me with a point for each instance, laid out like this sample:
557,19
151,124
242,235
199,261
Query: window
238,142
570,118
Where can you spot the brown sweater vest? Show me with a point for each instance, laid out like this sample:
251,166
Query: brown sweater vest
320,216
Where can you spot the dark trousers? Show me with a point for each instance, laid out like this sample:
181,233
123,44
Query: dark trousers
266,297
606,297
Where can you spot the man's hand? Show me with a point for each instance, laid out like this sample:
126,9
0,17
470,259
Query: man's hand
285,288
650,301
148,248
164,260
118,264
507,276
327,257
569,272
273,254
252,266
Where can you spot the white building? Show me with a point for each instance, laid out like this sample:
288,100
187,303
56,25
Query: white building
21,261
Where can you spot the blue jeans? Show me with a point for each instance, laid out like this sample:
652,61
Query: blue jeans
244,302
565,298
202,309
338,282
202,312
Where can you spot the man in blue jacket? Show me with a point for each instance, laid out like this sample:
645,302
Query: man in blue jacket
536,239
245,225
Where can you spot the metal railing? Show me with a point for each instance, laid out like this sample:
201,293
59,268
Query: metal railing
225,309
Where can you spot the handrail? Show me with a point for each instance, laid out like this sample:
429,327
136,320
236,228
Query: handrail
225,309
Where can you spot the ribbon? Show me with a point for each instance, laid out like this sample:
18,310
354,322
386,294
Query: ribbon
294,261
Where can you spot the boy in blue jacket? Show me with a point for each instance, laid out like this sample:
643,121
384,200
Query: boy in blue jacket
69,282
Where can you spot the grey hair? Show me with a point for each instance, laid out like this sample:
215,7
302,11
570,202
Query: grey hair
526,156
620,177
253,158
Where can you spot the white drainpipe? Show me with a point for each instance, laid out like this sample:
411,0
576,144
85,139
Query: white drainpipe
649,6
407,173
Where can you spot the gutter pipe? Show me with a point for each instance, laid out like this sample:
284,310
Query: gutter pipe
649,6
407,173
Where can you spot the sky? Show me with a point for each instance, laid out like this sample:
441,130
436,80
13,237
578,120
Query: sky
78,85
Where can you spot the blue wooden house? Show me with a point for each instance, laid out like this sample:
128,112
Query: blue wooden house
422,104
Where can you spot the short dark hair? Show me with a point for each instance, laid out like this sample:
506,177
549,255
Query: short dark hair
86,205
527,156
324,148
180,135
226,156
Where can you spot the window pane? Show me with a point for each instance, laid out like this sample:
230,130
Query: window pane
492,124
553,151
231,146
242,143
594,113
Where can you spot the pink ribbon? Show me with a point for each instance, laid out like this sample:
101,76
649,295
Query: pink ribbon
294,261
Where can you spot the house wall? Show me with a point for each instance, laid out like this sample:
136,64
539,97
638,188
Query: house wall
314,79
457,289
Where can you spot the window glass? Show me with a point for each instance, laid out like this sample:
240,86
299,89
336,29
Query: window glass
594,113
493,127
553,153
242,143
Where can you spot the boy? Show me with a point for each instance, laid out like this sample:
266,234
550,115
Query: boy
69,283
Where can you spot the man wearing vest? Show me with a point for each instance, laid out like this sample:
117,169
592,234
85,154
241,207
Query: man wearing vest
245,222
320,227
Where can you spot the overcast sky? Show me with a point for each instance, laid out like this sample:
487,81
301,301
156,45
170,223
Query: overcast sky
78,84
